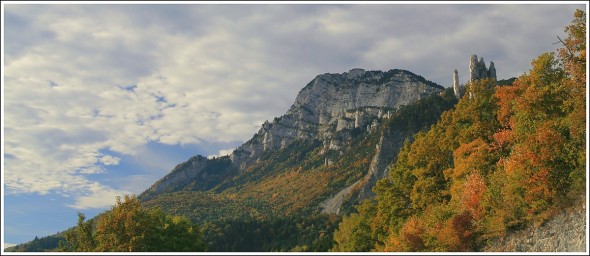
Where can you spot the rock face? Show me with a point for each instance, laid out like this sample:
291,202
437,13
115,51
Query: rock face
478,70
564,233
332,102
456,89
492,71
389,145
329,109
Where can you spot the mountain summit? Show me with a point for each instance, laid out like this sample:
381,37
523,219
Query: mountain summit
328,109
290,183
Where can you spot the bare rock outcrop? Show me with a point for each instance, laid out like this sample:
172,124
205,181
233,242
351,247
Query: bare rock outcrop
478,70
357,101
332,102
566,232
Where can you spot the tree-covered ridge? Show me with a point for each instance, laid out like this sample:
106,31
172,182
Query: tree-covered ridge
43,244
505,157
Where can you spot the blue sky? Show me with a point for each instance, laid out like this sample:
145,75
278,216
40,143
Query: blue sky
103,100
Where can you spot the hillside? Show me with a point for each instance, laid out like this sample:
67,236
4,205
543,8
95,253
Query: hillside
565,232
505,158
329,109
286,185
336,141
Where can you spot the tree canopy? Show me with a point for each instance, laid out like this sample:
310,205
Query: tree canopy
130,227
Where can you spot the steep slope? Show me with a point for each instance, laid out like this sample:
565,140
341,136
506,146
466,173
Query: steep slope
506,157
320,158
274,198
333,102
565,232
328,109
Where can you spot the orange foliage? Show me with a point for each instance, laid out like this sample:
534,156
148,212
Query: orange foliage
502,138
411,233
457,233
394,244
470,157
506,96
409,238
473,192
538,187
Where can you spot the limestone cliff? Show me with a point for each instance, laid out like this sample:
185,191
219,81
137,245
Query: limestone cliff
390,142
329,109
332,102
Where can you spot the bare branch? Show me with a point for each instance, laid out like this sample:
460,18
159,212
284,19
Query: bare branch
564,45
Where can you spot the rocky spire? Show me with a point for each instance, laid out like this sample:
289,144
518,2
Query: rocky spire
483,71
478,70
492,71
473,68
456,84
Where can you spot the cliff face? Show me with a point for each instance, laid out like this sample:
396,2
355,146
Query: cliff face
389,145
331,109
333,102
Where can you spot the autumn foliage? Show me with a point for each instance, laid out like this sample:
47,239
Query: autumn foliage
504,157
130,227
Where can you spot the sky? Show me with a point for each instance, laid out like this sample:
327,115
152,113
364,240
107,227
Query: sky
101,100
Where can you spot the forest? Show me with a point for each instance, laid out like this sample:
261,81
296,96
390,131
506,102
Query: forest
505,157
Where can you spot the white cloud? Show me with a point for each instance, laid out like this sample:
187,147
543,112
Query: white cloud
109,160
6,245
223,152
97,196
82,79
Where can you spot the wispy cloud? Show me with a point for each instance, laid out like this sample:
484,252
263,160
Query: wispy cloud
87,84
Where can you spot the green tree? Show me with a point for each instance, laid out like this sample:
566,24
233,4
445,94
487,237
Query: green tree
130,227
79,239
573,57
179,235
353,234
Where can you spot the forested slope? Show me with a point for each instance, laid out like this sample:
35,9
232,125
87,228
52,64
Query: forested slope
504,158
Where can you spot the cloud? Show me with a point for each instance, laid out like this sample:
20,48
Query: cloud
109,160
6,245
97,196
85,85
223,152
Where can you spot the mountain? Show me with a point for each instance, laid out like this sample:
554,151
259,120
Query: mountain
328,109
296,175
286,188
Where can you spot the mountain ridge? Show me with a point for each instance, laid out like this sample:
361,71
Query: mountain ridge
283,186
328,104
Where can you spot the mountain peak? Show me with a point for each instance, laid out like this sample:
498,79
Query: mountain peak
330,103
355,72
